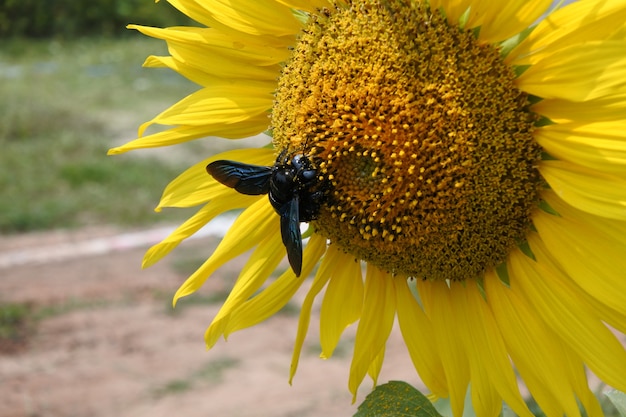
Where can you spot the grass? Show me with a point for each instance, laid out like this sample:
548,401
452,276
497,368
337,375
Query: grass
210,372
16,325
71,305
192,300
19,321
63,105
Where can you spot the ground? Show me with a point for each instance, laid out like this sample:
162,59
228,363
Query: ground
102,339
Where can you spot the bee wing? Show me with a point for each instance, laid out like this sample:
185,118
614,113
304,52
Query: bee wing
290,231
244,178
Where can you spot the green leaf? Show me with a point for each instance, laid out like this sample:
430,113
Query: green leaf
503,274
618,399
396,399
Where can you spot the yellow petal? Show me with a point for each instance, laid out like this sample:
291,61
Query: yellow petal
307,5
323,274
590,249
223,67
501,21
578,73
251,227
227,65
444,316
555,299
453,9
255,272
374,326
609,108
193,44
180,134
577,23
251,17
192,74
591,191
193,10
195,186
191,226
376,365
492,375
541,364
279,292
190,59
575,372
218,105
342,301
419,337
600,146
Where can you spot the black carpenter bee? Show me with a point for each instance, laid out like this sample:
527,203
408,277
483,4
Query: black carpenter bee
294,189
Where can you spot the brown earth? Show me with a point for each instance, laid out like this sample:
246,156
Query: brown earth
103,341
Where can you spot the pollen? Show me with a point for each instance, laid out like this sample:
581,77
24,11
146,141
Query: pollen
421,134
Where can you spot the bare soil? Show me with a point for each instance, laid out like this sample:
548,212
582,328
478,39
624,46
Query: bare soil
102,340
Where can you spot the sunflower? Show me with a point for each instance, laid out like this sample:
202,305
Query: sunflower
468,167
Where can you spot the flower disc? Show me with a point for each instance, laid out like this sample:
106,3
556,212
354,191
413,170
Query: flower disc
421,133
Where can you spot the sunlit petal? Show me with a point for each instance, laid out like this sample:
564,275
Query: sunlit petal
278,293
195,186
322,276
511,17
571,319
245,17
208,104
600,146
181,134
374,326
256,222
191,226
581,244
442,311
259,267
419,337
539,364
492,374
343,301
609,108
578,72
595,192
578,23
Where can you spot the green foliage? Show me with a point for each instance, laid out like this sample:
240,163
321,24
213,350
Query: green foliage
70,18
77,185
211,372
396,399
16,325
176,386
73,304
216,297
63,105
618,399
12,320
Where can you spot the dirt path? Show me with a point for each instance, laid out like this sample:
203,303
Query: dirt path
106,342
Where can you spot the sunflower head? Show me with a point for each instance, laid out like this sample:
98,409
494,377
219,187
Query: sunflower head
403,111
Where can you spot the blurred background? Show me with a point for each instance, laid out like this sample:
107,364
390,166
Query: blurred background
72,86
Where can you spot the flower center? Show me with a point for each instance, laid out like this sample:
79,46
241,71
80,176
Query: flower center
421,133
